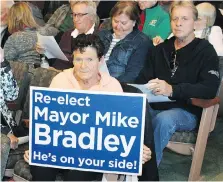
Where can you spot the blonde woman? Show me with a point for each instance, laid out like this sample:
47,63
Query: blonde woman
204,26
20,46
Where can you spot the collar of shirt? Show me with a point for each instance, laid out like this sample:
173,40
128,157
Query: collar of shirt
75,33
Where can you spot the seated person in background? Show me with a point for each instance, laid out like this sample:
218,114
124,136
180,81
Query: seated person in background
21,45
85,21
180,68
219,14
126,48
59,22
204,27
155,21
88,53
8,92
165,5
5,6
36,12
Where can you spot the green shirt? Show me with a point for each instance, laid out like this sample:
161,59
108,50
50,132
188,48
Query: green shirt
157,23
67,23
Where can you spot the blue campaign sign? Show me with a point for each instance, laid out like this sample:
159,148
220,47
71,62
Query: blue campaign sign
85,130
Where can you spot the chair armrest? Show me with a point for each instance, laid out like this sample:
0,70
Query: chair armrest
205,103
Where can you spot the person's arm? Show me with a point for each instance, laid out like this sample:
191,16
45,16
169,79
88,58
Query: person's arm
216,39
147,73
136,61
207,82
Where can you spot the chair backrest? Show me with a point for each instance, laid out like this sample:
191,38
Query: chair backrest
40,77
20,73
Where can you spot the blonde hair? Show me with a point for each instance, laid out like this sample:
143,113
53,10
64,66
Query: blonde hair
188,4
19,17
208,11
91,5
92,8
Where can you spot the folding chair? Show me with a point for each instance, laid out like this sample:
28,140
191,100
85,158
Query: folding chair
194,142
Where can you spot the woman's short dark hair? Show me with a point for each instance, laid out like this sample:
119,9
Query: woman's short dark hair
129,8
82,41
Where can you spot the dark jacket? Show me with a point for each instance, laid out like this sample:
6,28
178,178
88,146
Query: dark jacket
196,77
128,56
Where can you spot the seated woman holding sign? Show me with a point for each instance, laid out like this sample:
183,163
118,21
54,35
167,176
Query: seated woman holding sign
88,54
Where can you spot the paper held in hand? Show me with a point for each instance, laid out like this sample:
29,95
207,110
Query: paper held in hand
149,95
52,49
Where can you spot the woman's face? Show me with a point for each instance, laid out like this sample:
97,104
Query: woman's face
86,64
201,23
182,22
122,25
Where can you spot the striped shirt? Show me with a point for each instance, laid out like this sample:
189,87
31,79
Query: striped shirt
112,45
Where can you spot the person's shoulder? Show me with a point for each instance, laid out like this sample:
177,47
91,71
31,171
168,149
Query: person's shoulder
63,73
204,47
163,13
60,78
102,33
141,37
111,83
216,29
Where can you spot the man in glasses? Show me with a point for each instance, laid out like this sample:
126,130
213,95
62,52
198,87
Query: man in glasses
181,68
85,21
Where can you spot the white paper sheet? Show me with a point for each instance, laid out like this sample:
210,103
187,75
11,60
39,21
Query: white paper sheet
52,49
150,96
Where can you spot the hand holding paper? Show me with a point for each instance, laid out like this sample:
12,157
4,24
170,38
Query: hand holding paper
150,95
52,49
160,87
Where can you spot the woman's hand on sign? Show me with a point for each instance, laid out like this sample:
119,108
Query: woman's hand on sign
26,156
147,154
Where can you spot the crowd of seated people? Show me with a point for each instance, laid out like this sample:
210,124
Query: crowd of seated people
155,21
145,44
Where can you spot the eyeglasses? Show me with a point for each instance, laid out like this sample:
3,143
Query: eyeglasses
80,61
78,15
173,62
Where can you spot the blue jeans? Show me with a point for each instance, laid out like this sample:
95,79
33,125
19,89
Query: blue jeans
166,122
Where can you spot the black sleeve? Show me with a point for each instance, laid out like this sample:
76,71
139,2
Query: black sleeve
208,81
147,73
